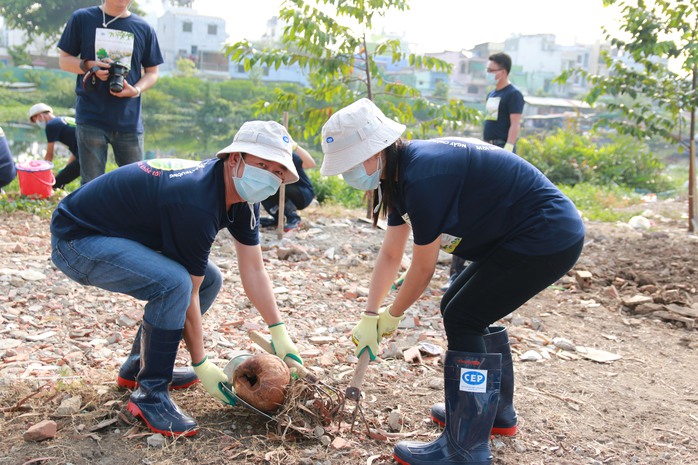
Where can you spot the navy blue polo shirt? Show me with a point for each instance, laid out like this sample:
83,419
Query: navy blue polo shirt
62,129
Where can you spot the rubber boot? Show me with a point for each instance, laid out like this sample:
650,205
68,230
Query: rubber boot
151,401
505,423
471,387
181,377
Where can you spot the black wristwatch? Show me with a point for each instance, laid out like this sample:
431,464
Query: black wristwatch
83,65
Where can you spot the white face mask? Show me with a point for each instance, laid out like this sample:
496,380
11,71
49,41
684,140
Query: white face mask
359,179
255,184
40,122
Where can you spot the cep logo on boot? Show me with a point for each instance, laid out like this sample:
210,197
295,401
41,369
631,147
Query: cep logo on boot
473,380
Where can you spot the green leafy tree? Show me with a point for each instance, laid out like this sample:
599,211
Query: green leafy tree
46,18
186,67
328,40
657,85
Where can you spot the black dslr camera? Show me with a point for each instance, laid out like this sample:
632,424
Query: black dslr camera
117,73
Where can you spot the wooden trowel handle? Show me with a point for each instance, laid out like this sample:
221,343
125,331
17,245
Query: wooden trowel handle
354,390
262,341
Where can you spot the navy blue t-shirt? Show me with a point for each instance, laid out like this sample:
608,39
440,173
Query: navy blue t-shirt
500,105
304,185
478,197
62,129
174,206
99,108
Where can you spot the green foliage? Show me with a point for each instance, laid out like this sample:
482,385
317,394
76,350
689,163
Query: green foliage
186,67
652,78
567,158
333,190
603,203
342,67
46,18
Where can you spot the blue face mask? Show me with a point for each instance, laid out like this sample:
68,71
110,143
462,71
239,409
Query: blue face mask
255,184
490,78
359,179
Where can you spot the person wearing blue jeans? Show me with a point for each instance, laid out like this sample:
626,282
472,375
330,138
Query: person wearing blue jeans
146,230
479,202
95,42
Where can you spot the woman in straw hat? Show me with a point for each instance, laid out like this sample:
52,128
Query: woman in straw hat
146,230
479,202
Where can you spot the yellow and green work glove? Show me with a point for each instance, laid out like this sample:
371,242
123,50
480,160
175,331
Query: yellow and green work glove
282,344
387,323
212,379
365,335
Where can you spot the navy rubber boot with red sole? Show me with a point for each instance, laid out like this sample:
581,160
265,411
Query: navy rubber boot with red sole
151,401
182,378
471,389
505,423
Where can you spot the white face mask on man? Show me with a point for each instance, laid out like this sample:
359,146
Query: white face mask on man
40,122
255,184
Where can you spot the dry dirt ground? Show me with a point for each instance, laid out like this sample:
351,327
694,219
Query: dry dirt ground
605,360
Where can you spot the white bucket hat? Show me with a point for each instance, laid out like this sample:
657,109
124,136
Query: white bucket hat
38,108
265,139
354,134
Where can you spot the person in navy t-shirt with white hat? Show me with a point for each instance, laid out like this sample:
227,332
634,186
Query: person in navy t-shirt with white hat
473,200
146,230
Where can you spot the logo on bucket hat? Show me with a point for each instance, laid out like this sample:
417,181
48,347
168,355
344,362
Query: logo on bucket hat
354,134
265,139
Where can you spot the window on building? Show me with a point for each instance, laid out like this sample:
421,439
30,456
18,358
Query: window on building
463,68
241,69
265,71
187,26
212,29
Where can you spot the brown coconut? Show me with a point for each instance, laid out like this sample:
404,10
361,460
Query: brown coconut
261,381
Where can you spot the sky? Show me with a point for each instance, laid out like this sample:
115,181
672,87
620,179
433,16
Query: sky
438,25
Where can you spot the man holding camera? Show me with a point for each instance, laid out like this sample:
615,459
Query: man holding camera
115,54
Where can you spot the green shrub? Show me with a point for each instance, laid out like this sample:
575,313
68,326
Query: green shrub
333,189
567,158
603,203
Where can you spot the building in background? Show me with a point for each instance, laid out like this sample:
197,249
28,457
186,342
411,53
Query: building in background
183,33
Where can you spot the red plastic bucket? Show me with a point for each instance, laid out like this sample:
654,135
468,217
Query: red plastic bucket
36,178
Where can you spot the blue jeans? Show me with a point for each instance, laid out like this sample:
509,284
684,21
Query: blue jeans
93,144
128,267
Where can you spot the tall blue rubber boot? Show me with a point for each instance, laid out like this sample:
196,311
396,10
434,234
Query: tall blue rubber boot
505,423
151,401
471,386
181,377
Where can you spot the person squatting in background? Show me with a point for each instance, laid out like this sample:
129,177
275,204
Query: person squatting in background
298,195
115,55
58,129
479,202
146,230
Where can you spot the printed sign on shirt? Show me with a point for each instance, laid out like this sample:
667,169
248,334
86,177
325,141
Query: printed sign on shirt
114,46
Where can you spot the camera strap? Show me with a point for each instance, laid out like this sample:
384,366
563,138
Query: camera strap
90,80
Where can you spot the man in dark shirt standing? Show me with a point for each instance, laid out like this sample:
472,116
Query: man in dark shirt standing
504,105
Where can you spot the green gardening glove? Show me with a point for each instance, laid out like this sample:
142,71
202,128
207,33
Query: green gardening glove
387,323
282,344
213,379
365,336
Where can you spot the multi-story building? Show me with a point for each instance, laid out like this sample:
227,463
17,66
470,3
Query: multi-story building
183,33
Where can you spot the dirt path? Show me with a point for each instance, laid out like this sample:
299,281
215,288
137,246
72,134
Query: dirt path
631,300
